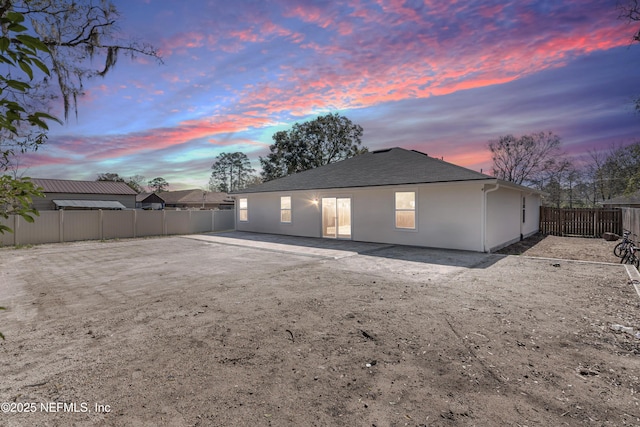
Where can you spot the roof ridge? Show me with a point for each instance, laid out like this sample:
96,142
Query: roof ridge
389,166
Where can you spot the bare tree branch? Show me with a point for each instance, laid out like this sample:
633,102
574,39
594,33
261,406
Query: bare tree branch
76,33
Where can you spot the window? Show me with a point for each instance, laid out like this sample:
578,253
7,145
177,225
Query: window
406,209
243,212
285,209
524,208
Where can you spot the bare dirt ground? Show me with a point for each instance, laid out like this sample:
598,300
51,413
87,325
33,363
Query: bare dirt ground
185,332
576,248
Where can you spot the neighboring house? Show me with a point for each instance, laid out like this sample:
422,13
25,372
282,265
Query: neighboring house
196,199
393,196
149,201
630,201
67,194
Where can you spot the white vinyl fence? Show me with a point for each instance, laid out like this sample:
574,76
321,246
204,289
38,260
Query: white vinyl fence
69,225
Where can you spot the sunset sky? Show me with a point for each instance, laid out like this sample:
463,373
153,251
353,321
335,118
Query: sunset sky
442,77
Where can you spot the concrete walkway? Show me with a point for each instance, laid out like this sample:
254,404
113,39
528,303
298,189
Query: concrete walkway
338,249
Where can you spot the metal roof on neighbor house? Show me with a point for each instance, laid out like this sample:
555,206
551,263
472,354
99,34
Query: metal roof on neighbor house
83,187
89,204
394,166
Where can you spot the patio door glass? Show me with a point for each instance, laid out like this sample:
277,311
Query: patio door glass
336,218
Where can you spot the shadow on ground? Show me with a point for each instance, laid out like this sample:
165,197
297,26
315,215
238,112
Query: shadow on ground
522,246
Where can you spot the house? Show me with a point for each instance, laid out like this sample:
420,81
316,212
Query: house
393,196
630,201
196,199
150,201
68,194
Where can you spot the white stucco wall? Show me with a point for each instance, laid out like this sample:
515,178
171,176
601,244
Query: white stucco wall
447,215
264,214
504,216
532,216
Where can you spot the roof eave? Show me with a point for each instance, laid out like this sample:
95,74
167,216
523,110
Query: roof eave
485,180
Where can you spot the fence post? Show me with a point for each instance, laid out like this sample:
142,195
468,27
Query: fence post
164,222
16,230
101,223
61,218
135,221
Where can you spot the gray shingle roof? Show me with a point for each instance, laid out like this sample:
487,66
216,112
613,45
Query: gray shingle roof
631,199
395,166
83,187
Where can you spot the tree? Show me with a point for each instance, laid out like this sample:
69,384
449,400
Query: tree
615,172
19,52
230,172
572,177
630,10
43,44
76,34
529,159
136,183
15,197
326,139
559,186
109,176
158,185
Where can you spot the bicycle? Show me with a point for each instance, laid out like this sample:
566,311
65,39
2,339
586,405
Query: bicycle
630,256
621,248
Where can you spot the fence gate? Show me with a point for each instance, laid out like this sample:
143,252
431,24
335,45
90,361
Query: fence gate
583,222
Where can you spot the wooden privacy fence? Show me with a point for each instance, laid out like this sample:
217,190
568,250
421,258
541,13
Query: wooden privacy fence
70,226
580,221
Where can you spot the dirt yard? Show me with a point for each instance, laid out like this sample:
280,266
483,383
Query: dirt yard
575,248
230,330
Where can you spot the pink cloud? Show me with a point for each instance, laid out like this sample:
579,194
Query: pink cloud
113,146
369,65
247,35
29,160
311,14
338,55
180,43
397,7
174,78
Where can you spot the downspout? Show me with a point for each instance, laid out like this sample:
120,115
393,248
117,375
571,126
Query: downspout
485,216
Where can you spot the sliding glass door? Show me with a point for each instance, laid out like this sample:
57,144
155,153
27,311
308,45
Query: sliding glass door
336,217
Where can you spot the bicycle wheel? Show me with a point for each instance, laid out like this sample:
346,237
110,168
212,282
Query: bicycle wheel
625,257
619,249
